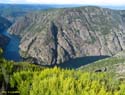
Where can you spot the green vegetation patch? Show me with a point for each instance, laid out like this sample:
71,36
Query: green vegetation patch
57,81
109,63
29,79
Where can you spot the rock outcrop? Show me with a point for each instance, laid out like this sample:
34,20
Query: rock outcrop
55,36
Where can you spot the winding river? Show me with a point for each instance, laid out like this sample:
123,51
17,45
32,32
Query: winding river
11,51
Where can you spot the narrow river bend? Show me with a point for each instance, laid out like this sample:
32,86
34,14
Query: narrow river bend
11,51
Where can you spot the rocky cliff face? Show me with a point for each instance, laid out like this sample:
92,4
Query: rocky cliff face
4,24
55,36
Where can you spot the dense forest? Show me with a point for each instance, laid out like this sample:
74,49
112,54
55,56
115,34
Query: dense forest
29,79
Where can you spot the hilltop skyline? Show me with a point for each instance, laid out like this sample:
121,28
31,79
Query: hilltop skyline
82,2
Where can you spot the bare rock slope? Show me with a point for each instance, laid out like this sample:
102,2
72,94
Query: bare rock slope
55,36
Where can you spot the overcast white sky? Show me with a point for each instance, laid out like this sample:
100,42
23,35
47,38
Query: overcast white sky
86,2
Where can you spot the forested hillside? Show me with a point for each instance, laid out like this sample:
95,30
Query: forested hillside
28,79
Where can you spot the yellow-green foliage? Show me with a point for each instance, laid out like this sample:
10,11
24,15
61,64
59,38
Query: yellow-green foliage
7,68
66,82
31,79
1,52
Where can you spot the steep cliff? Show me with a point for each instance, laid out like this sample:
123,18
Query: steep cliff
55,36
4,25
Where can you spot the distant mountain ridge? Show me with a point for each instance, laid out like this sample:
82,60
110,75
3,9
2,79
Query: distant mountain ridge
49,6
13,11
